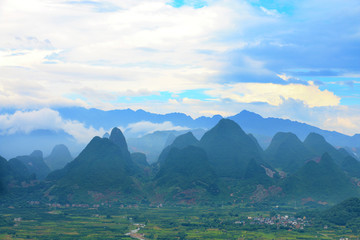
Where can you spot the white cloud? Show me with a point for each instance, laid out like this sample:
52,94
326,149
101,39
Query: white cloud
145,127
270,12
342,123
284,77
81,133
275,94
58,54
28,121
48,119
140,45
343,119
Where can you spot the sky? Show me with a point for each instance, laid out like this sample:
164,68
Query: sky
289,59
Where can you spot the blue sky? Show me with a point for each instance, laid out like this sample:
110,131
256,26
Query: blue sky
192,3
194,56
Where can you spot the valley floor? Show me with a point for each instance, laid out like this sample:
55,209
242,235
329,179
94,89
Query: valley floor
169,222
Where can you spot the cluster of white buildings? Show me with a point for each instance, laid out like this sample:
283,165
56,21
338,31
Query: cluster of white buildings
278,220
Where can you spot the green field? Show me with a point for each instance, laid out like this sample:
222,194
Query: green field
169,222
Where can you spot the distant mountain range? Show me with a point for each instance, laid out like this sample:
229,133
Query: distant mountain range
249,121
226,164
151,141
35,164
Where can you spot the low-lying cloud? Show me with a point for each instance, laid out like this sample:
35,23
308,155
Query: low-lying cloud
275,94
144,127
45,119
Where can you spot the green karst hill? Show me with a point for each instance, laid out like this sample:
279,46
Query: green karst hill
186,169
35,164
323,180
318,146
351,166
18,170
139,159
179,142
104,165
346,212
4,174
227,164
287,152
13,170
229,149
59,157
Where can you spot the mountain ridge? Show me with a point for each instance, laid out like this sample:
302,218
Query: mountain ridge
263,128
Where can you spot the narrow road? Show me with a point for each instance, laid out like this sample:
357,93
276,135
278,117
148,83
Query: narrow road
134,233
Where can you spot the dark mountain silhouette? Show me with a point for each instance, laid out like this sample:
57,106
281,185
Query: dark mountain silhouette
351,166
170,139
179,142
229,149
256,174
256,142
318,146
19,171
35,164
344,213
287,152
118,139
324,180
262,128
10,171
4,174
59,157
139,159
104,165
187,168
151,144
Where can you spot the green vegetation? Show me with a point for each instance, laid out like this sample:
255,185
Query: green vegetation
318,146
218,188
139,159
180,222
351,166
187,168
179,142
227,165
53,223
229,149
13,171
287,152
4,174
344,213
35,164
100,167
323,180
19,171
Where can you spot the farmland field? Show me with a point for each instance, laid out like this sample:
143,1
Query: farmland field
168,222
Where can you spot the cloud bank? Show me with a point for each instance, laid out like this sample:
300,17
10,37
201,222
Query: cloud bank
138,129
153,55
45,119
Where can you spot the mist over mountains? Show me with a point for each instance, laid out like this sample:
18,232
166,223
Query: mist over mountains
75,126
172,158
226,164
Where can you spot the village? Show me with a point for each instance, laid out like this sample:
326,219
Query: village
279,221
